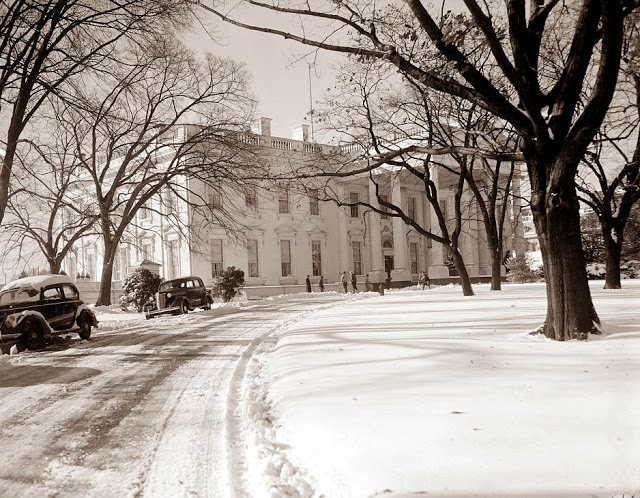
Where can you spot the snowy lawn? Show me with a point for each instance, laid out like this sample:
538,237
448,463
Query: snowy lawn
432,392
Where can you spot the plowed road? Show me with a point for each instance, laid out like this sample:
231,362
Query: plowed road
144,410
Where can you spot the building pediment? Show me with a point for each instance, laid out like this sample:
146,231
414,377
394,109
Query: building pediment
316,233
286,229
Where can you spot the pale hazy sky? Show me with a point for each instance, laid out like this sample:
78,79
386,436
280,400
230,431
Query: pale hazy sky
279,82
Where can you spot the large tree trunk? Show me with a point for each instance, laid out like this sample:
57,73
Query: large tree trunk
54,266
104,293
570,310
613,248
461,268
496,272
495,249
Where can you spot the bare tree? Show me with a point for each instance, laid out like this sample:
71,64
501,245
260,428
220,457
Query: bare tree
45,42
615,190
381,117
542,106
40,209
134,139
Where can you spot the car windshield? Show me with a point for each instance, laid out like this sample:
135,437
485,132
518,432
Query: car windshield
165,286
19,295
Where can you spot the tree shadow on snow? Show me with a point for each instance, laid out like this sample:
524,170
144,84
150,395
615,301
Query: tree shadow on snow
29,375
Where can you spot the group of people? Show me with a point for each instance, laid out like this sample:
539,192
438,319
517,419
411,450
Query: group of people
352,278
320,283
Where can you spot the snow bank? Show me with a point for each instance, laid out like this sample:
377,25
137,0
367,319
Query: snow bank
433,392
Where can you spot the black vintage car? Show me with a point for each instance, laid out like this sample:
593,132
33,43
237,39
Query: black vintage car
180,295
32,309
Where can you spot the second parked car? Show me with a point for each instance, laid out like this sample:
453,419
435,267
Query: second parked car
181,295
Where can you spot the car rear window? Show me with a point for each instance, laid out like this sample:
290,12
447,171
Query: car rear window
20,295
70,292
53,293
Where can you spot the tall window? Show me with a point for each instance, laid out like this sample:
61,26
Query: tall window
283,200
411,208
144,213
314,205
217,262
251,198
91,265
215,197
357,258
117,265
285,257
252,255
413,256
173,257
147,249
384,215
353,199
171,202
443,208
316,258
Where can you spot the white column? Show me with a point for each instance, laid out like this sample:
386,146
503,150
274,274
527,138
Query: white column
468,238
343,236
519,243
401,272
376,274
437,269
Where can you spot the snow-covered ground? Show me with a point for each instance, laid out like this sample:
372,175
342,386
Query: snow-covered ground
432,392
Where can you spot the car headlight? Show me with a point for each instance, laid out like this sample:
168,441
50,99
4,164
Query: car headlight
168,295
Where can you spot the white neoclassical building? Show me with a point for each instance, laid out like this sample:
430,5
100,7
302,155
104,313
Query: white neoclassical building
288,233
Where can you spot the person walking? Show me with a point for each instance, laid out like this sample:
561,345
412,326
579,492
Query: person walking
354,282
367,283
344,281
308,282
321,283
424,280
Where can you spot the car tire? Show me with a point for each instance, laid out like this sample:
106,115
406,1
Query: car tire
84,324
208,301
32,336
184,307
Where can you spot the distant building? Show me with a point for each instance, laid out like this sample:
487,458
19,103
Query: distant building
288,233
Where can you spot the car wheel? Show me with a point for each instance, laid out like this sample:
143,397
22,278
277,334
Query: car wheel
84,323
184,307
208,301
32,336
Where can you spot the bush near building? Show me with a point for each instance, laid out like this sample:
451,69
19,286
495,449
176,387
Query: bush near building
139,289
228,283
520,271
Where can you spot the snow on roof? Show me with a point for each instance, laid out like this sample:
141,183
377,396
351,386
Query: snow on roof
37,281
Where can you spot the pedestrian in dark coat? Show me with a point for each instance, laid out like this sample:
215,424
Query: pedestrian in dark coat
344,281
321,283
424,280
354,282
308,282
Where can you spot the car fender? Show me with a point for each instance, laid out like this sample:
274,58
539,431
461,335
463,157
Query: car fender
13,323
83,308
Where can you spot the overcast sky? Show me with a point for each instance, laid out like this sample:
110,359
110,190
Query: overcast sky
280,79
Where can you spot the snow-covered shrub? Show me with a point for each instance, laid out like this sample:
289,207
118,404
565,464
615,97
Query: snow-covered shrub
139,288
595,271
228,283
630,269
520,271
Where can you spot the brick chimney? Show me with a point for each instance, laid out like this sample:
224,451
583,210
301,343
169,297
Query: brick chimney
301,133
265,126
